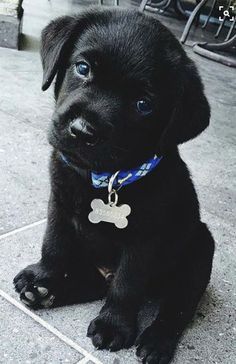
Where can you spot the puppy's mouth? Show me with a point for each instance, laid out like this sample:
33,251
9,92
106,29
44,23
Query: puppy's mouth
91,140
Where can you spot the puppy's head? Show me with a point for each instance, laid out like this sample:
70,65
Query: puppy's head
124,89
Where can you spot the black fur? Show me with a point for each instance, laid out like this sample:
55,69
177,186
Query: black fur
166,251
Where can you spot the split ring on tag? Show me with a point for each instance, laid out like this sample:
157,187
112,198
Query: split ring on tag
110,212
112,193
111,182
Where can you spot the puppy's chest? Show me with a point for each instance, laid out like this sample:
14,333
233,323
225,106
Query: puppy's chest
129,220
101,232
102,246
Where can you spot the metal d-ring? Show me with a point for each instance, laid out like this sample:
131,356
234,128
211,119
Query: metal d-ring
111,181
112,193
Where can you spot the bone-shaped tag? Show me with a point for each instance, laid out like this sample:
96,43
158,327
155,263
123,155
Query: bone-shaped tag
109,213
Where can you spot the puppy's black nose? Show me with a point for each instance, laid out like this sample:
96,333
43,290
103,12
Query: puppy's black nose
80,129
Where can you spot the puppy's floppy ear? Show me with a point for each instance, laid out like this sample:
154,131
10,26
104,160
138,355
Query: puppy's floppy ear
191,112
54,44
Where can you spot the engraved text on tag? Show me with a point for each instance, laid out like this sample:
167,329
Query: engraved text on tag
109,213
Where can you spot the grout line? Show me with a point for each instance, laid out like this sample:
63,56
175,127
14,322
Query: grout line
85,360
50,328
23,228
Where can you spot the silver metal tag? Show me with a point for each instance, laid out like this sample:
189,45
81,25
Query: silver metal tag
109,213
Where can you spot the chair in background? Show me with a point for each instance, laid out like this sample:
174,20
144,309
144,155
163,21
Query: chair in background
224,51
164,6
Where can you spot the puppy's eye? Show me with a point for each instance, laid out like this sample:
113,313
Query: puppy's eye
83,69
144,106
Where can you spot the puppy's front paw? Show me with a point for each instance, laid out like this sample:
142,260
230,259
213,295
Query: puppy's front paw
36,286
112,331
154,346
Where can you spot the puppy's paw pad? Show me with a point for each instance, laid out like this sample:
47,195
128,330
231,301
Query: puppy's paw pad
30,296
36,297
27,303
43,291
36,286
48,302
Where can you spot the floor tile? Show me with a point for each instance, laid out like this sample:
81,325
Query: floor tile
23,341
212,334
24,179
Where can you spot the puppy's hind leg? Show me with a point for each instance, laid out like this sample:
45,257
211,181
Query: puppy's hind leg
156,345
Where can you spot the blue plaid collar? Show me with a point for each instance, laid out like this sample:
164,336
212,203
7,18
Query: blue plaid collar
100,180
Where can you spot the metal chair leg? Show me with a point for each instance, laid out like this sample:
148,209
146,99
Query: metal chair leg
165,5
179,9
159,5
221,46
143,5
222,23
208,50
191,20
209,15
220,27
231,30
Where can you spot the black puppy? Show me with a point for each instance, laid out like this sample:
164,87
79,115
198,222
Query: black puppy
126,95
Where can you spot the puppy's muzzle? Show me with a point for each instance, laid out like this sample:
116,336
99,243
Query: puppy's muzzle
80,129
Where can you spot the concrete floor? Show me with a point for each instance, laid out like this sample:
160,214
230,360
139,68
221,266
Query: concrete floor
59,335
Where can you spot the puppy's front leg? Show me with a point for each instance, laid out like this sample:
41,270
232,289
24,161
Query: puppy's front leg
58,278
115,327
38,283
